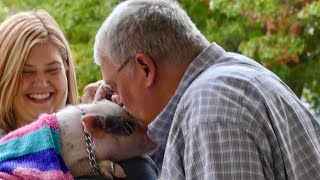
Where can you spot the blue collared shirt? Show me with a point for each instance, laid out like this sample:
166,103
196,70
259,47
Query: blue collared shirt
231,118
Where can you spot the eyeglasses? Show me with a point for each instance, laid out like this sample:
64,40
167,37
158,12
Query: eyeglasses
124,64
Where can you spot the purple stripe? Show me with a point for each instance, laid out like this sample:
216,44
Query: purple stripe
45,160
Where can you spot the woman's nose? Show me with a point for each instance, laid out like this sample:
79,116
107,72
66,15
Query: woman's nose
40,81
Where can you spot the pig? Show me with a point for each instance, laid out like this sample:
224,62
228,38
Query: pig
116,136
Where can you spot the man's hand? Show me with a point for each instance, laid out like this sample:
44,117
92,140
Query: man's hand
98,91
110,169
94,92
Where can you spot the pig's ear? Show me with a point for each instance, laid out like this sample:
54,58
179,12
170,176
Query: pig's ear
93,126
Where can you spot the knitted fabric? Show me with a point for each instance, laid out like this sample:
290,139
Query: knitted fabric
33,152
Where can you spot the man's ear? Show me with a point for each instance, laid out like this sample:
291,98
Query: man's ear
93,125
147,67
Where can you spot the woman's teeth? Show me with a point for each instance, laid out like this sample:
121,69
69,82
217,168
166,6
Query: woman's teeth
39,96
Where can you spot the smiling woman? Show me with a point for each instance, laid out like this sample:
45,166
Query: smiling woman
44,84
37,73
37,76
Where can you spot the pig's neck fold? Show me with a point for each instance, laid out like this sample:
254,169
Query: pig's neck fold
73,146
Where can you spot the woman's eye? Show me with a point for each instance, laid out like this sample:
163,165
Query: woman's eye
28,72
53,70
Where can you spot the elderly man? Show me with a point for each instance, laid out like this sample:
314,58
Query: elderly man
213,114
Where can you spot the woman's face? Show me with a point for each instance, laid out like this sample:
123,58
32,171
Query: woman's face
44,86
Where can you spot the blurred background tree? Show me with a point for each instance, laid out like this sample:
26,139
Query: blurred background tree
80,20
282,35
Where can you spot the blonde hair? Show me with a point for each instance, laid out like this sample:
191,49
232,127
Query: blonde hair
18,34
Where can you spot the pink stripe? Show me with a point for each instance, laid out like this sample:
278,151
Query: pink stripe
32,174
8,176
44,119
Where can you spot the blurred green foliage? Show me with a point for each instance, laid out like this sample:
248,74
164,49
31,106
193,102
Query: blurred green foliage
282,35
80,20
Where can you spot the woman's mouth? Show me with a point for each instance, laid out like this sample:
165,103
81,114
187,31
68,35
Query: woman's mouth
39,97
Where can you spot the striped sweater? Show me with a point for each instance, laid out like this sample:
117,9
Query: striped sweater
33,152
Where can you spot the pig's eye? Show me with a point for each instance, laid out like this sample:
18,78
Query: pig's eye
128,127
117,125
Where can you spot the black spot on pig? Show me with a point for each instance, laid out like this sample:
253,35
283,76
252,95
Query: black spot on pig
116,125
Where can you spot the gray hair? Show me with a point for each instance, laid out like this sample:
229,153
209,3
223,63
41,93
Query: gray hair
159,28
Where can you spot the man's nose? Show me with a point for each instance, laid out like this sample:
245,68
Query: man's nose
41,81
